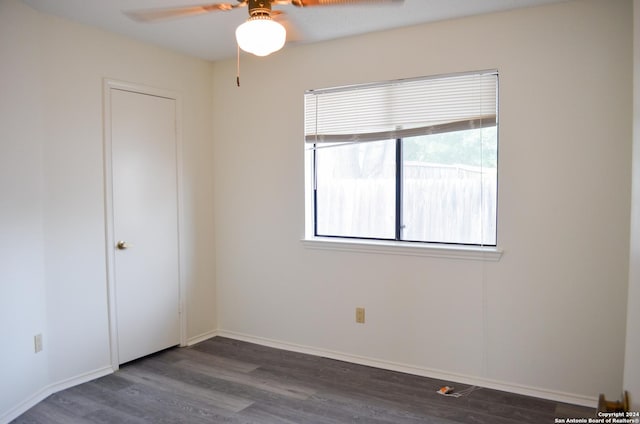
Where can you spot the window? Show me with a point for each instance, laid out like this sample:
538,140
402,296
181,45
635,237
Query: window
409,160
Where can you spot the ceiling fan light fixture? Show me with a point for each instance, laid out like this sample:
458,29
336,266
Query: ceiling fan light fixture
261,35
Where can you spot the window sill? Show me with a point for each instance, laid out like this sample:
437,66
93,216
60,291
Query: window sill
475,253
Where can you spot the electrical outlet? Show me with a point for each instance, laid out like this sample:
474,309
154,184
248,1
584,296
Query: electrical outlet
37,342
360,315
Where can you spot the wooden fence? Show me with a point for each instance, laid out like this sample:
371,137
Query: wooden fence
441,203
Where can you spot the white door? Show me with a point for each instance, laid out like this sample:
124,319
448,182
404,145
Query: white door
145,223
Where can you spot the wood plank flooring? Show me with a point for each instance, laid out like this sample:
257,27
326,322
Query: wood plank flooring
228,381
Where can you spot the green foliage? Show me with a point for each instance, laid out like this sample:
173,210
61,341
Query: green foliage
471,147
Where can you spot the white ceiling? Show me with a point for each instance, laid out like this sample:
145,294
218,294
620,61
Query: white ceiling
211,36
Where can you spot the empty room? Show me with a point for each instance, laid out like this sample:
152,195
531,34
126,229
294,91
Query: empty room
418,211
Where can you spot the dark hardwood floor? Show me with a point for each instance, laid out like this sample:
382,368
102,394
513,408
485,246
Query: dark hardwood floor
228,381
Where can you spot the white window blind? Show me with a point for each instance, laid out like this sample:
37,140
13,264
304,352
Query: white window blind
400,109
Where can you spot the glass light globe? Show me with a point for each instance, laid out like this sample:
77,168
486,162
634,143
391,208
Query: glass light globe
261,35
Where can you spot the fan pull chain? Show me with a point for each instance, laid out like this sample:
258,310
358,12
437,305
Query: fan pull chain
238,67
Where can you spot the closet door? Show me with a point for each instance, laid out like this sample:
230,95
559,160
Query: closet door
145,223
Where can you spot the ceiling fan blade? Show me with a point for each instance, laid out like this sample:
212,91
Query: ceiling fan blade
151,15
310,3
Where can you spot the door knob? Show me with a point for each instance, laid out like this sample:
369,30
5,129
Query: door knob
122,245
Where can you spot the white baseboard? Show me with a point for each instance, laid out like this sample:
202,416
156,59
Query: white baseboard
24,406
47,391
361,360
201,337
556,396
79,379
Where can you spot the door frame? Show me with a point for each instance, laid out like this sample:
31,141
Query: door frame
108,86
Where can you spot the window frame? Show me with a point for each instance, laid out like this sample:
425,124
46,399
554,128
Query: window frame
397,246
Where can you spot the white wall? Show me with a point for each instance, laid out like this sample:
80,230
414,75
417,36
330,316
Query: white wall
22,284
547,319
78,58
54,188
632,367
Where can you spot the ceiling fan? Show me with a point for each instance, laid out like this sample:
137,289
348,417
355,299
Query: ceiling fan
261,34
